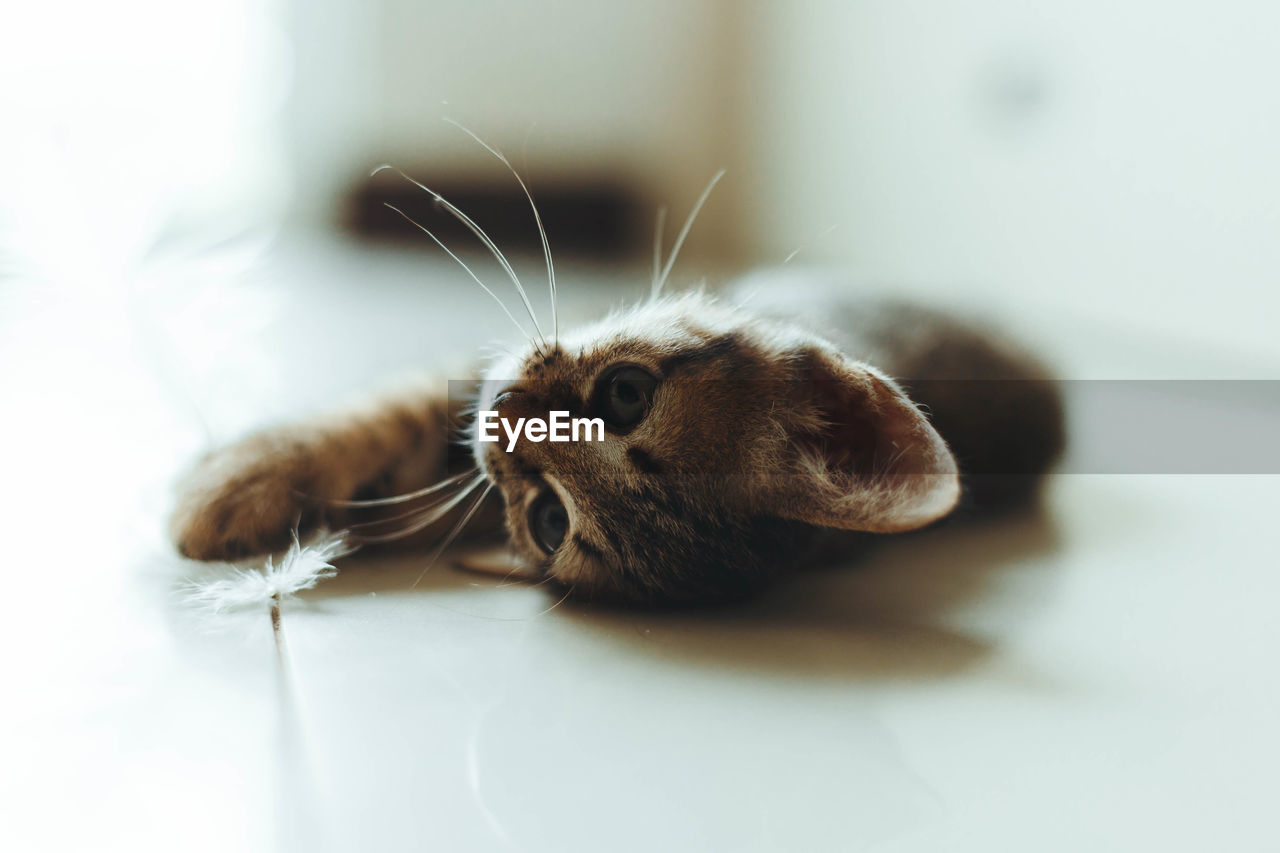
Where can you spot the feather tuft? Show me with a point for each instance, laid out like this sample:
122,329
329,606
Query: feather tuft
302,567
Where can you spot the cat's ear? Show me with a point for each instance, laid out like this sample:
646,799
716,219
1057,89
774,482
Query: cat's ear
860,455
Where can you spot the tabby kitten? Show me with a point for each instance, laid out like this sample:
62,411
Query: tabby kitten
736,431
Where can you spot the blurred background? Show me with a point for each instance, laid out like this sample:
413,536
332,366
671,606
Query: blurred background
192,244
1115,159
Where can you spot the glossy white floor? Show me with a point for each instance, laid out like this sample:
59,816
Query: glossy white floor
1100,675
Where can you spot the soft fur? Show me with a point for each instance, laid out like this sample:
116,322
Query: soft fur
761,433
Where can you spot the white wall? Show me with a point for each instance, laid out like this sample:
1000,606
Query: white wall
129,121
635,90
1113,158
1119,158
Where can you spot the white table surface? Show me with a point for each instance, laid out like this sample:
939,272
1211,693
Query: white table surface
1099,675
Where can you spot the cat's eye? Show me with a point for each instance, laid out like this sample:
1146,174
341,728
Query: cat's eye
623,396
548,521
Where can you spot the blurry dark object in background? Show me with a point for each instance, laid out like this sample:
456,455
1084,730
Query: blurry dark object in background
592,219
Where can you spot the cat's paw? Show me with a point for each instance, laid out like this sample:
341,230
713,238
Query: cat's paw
247,499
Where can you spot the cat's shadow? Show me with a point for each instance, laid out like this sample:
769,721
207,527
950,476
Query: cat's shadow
907,607
916,606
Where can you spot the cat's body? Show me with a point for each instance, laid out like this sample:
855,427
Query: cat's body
736,430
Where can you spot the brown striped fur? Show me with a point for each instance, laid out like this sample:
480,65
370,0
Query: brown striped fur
760,433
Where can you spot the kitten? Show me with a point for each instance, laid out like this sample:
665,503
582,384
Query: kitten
735,435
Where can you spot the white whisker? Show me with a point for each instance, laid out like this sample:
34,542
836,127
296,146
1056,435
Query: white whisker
798,249
568,593
684,232
537,218
410,513
428,517
453,534
474,277
562,600
658,227
406,496
481,235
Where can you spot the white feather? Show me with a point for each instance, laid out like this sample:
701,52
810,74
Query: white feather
302,567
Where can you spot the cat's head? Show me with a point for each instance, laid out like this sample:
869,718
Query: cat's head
726,438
